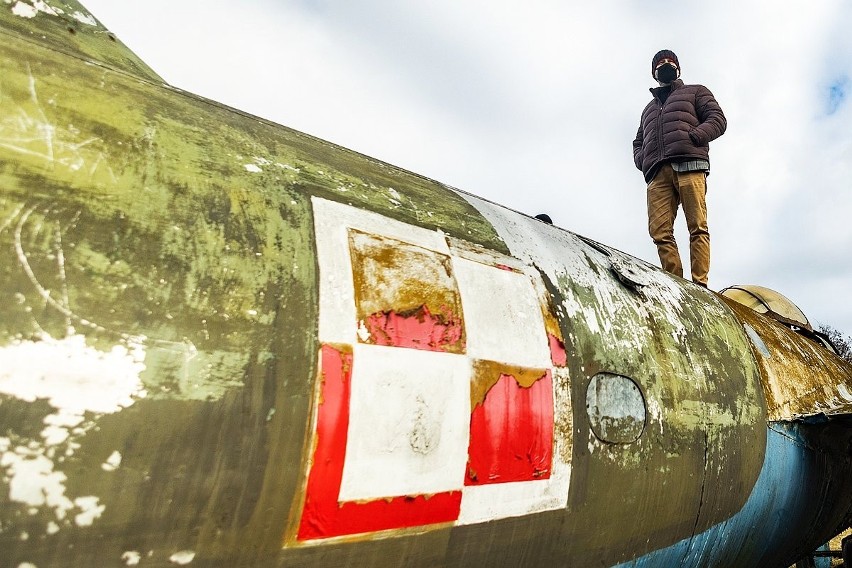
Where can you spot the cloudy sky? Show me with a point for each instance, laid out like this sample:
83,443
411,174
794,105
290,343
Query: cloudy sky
534,105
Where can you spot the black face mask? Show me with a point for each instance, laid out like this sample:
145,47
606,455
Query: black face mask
667,73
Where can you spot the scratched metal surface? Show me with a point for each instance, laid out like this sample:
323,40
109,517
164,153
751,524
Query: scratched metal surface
705,420
800,378
162,307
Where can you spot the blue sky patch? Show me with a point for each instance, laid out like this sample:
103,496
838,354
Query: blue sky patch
837,94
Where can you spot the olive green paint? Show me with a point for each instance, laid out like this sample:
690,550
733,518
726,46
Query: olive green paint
135,214
212,274
705,421
154,219
66,26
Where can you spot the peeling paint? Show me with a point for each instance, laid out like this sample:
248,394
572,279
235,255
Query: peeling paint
91,510
31,9
683,346
33,481
87,19
80,383
72,376
800,378
431,425
91,41
131,557
557,351
190,249
182,557
487,373
419,329
112,462
24,10
511,431
405,294
481,255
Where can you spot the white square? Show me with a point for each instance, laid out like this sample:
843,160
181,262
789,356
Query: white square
481,503
409,416
502,315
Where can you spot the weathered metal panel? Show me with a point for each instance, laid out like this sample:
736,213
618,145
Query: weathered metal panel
153,344
778,523
692,361
170,238
227,343
473,418
800,377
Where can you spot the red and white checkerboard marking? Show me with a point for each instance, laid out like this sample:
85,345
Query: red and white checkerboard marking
415,428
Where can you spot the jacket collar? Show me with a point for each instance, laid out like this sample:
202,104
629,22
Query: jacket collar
676,84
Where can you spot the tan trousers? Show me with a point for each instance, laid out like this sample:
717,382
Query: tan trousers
666,191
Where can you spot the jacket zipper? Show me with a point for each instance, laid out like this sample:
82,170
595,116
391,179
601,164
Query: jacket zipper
660,126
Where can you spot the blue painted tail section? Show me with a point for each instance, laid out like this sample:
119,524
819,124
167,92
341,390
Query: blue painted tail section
798,464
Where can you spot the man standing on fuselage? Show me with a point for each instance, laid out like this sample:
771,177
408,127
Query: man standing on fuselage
672,150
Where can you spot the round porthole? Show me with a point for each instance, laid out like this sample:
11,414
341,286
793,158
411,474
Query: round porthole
616,408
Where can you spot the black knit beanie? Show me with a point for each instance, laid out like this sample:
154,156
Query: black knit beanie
663,54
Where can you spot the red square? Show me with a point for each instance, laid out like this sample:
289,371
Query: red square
511,429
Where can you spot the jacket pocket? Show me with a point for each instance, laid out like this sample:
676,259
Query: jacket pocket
696,137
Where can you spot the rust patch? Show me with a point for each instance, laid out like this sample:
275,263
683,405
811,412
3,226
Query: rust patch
799,377
405,295
486,374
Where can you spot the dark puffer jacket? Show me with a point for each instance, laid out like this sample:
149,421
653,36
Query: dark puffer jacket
679,129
